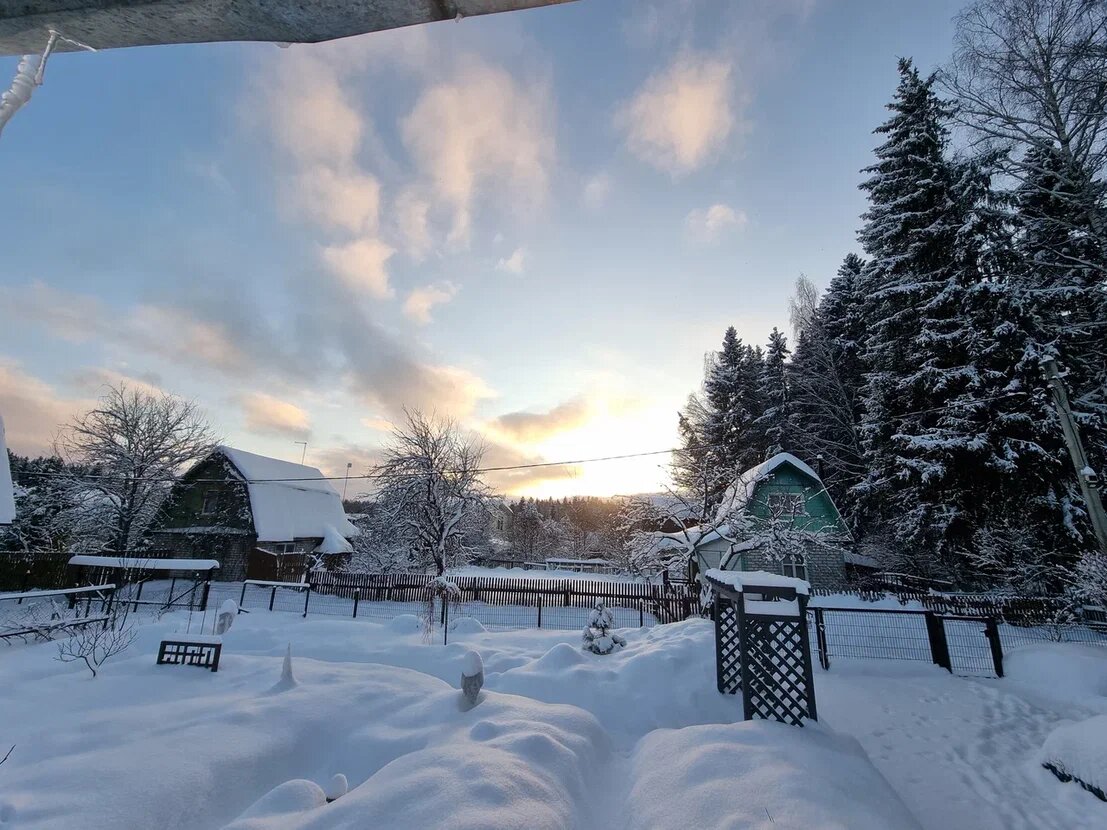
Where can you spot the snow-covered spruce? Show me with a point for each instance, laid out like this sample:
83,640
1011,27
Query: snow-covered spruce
598,636
472,676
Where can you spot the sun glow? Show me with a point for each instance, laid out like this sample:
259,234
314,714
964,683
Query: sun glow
609,433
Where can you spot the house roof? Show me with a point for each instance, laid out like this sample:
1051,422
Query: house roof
300,504
738,495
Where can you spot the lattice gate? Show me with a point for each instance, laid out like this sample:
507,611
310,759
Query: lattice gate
761,648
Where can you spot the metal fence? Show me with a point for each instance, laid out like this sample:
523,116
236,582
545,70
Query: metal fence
496,603
966,644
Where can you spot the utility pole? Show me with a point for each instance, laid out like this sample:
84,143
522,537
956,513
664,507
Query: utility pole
346,481
303,455
1089,481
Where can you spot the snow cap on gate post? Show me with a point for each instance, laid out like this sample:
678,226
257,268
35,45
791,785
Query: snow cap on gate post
761,631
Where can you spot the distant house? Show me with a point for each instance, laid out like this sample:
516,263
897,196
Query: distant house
262,518
776,517
499,519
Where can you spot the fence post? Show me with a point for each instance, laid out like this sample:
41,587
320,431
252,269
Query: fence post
641,615
357,598
991,631
138,594
939,647
820,638
204,595
272,597
242,597
539,610
26,583
568,594
307,597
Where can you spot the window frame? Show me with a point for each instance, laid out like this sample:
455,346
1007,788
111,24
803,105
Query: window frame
797,564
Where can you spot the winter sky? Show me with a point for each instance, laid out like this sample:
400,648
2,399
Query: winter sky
537,222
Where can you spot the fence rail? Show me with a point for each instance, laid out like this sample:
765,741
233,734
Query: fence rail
666,603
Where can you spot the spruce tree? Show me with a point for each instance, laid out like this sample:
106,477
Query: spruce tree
919,232
776,422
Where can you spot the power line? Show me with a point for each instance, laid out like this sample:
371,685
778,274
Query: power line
499,469
365,476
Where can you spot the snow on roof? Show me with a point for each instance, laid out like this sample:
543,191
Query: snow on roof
7,492
861,559
738,495
302,505
738,580
334,542
139,563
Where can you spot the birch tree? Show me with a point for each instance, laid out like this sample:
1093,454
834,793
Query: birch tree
430,490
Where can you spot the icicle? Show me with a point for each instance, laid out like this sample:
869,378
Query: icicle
28,75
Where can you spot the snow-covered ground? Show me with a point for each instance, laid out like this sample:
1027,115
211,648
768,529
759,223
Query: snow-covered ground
559,738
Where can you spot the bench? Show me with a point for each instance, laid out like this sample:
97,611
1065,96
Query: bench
203,652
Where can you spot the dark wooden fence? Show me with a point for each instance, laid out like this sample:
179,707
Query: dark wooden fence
667,603
27,570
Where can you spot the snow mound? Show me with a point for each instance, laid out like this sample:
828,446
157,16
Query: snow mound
1080,750
297,796
665,677
1068,672
406,624
759,774
471,664
467,625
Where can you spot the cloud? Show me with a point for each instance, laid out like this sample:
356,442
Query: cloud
596,190
420,301
411,213
682,116
497,454
318,339
347,201
707,225
268,415
361,265
33,411
142,329
532,427
480,133
514,264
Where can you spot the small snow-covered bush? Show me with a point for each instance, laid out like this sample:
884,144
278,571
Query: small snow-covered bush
598,636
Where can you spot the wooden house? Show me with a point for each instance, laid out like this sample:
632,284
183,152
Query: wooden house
776,517
261,518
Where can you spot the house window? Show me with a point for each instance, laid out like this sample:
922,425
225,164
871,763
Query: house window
211,503
499,524
787,504
282,547
794,566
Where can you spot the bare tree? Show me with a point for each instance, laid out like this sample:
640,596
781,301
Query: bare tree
802,306
1031,76
430,489
134,443
94,644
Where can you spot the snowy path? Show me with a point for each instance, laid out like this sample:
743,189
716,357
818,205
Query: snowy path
960,752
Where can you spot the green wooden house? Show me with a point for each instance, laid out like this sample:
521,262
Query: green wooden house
776,517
